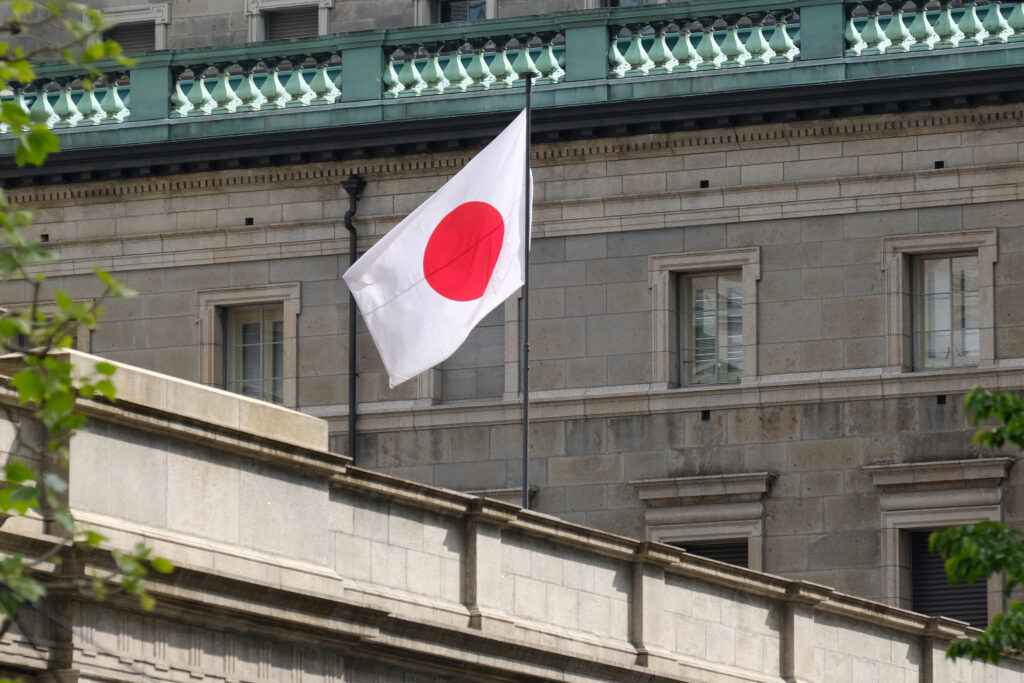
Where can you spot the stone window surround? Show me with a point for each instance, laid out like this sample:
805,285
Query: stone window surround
934,495
158,13
257,23
897,255
664,268
708,508
210,303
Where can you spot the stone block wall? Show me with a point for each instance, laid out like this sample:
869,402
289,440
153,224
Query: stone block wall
816,199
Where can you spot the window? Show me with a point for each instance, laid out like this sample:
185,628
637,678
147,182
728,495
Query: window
461,10
704,316
629,3
248,341
291,23
276,19
940,300
918,498
720,516
933,594
733,551
139,27
945,311
133,38
255,353
711,328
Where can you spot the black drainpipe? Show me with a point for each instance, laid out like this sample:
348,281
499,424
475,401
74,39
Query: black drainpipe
354,185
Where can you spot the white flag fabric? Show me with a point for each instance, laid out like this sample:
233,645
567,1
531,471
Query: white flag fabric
427,283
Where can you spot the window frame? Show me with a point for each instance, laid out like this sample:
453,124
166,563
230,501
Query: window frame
234,344
719,507
925,496
158,14
898,258
664,272
436,9
211,306
257,20
918,305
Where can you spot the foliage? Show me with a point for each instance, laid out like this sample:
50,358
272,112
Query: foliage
45,384
977,551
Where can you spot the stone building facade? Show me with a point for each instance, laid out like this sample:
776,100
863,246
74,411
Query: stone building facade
855,216
293,565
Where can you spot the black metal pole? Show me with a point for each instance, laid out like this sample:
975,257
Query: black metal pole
353,185
526,307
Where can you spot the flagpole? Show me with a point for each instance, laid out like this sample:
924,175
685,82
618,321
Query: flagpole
526,307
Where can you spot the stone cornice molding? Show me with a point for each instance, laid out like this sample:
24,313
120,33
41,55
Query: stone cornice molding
705,489
938,475
543,155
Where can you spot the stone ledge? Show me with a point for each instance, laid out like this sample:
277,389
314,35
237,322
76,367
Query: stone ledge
946,474
705,489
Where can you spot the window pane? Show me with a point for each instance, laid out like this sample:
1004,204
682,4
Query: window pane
946,312
133,38
463,10
255,343
292,23
711,331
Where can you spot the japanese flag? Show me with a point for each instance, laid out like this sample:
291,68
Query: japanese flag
434,276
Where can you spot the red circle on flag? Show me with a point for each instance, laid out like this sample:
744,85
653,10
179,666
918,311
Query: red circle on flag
463,250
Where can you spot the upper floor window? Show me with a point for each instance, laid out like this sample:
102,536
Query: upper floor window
629,3
711,328
255,353
461,10
946,311
139,28
941,294
137,37
298,22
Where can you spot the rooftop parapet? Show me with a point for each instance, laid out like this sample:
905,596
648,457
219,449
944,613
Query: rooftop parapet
724,59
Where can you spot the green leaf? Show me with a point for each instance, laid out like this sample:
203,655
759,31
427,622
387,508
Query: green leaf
93,539
17,472
55,482
35,145
162,565
105,368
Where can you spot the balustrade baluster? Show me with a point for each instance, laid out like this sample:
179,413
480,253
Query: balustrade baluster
756,45
970,25
479,73
501,66
65,109
708,48
896,32
392,86
41,110
873,36
89,106
116,110
223,95
547,62
432,73
249,96
1016,22
683,51
636,56
659,53
732,47
854,42
995,24
455,70
945,28
323,88
272,90
781,43
409,76
921,30
299,92
524,60
617,64
198,96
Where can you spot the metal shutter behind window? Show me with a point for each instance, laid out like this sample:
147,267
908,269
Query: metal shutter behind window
733,552
292,23
934,595
138,37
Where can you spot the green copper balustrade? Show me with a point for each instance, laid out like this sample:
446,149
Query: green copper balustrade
704,42
882,28
578,58
66,102
229,87
473,64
